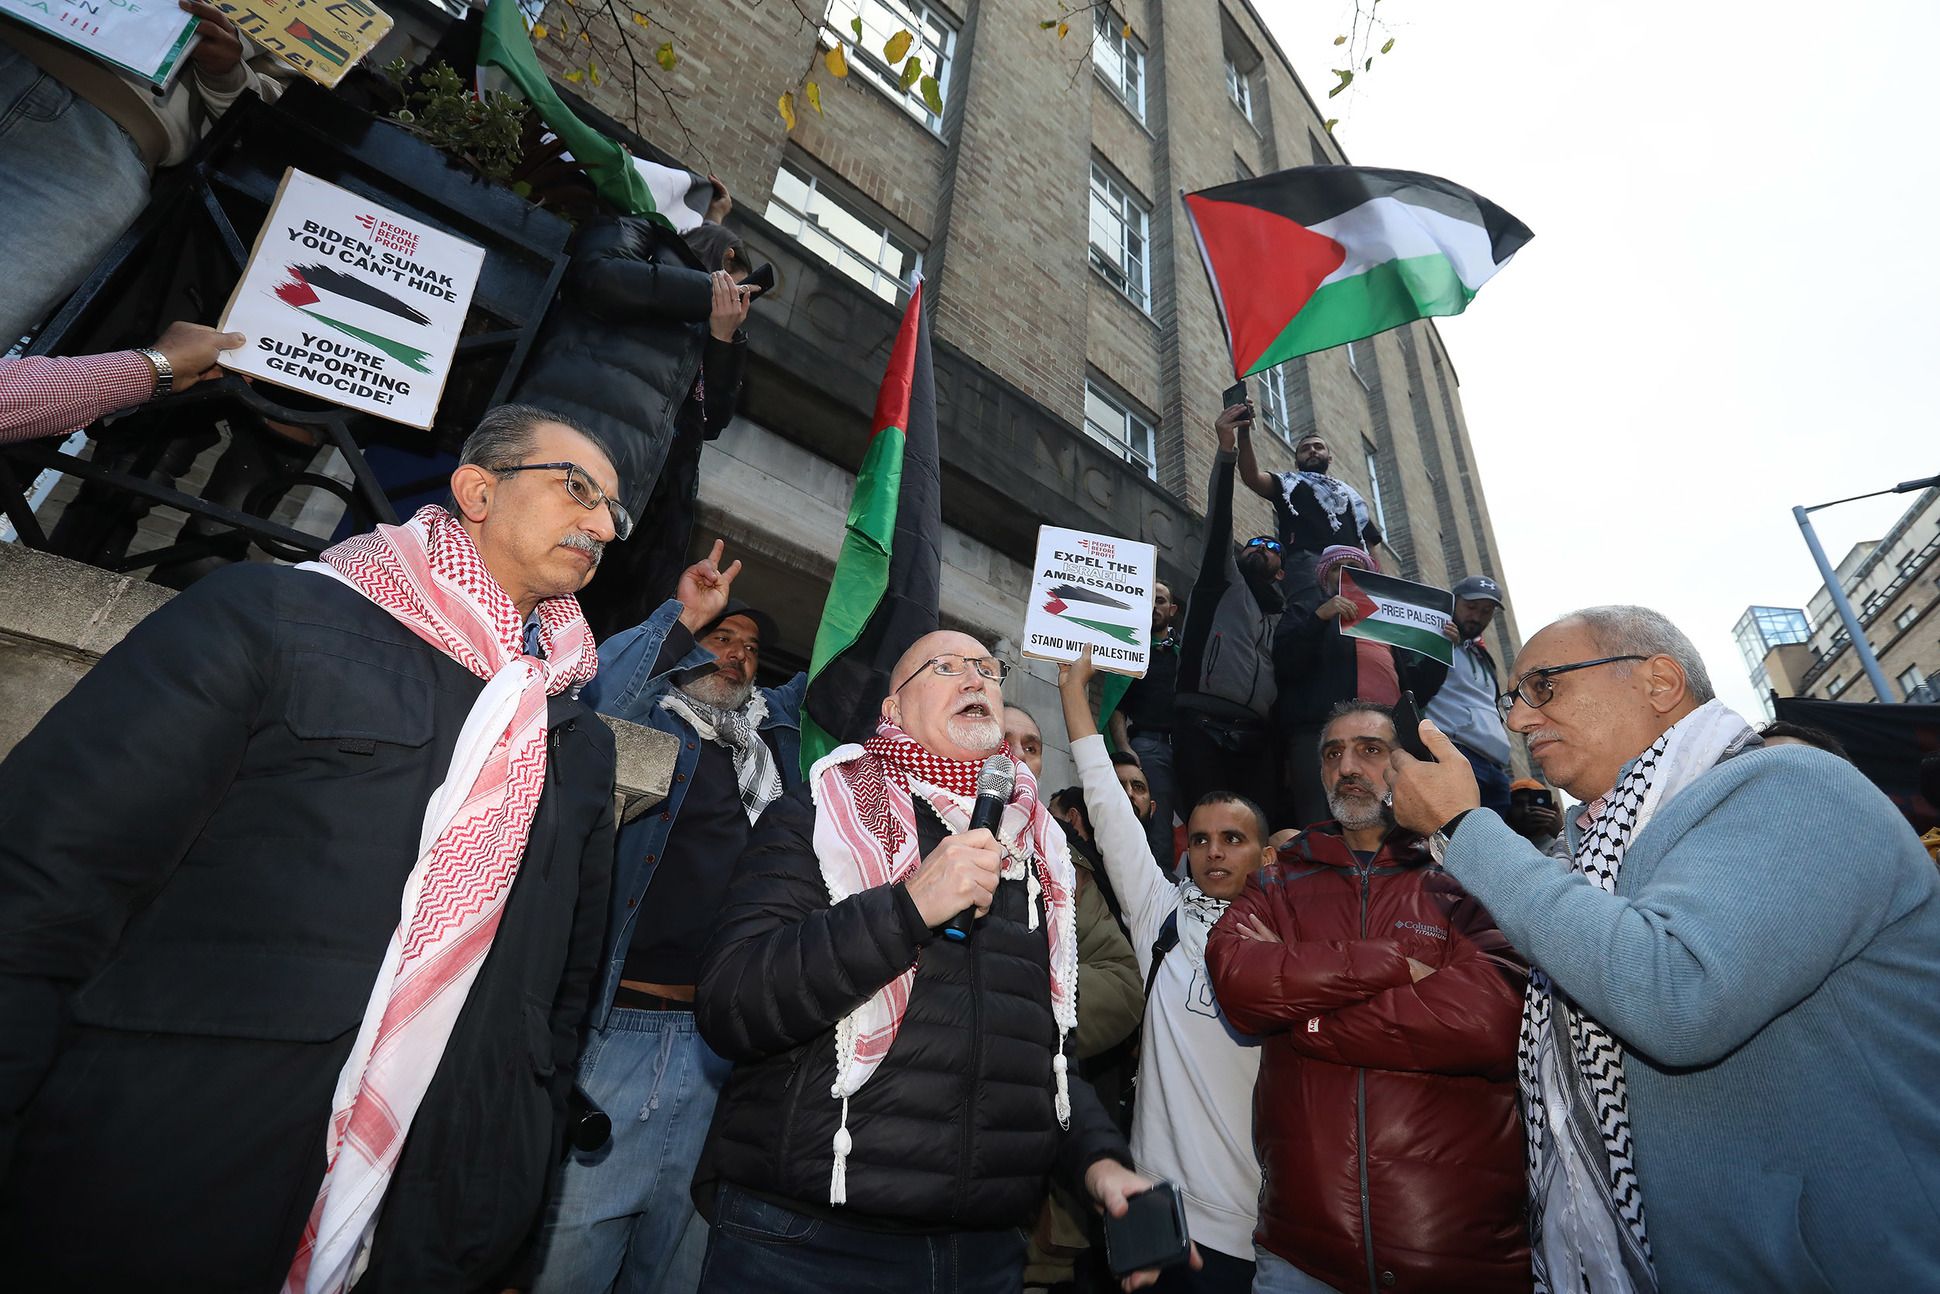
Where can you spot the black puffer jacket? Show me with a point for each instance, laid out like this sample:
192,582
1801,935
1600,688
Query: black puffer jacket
1314,664
957,1126
623,343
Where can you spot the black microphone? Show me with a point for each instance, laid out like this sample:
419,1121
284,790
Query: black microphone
994,782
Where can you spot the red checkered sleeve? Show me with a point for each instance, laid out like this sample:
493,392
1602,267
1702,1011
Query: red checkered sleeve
42,395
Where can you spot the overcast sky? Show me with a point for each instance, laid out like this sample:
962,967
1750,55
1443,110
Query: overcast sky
1727,307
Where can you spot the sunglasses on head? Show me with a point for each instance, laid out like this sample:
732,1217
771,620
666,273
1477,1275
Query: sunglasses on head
1271,545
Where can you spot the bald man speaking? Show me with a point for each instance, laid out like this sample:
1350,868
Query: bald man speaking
898,1099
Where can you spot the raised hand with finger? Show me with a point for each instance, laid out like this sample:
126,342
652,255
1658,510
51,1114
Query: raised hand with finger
703,589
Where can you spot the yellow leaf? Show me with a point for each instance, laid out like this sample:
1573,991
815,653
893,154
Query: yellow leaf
897,47
640,20
814,94
539,31
575,76
593,73
837,62
1126,31
786,106
1064,29
665,56
1340,40
585,38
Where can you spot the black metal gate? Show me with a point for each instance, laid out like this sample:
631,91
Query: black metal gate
181,260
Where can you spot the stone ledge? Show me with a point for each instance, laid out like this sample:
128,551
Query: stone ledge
57,617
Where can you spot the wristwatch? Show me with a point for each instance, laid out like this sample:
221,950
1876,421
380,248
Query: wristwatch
164,371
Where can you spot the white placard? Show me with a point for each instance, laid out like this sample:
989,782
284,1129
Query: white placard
146,37
351,302
1091,591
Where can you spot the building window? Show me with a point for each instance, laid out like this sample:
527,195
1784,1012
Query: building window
1911,680
1119,223
1354,359
1109,422
839,231
1274,409
1906,617
1241,171
1239,88
1373,462
935,43
1120,61
1836,686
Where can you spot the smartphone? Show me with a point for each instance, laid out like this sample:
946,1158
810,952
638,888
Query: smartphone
1543,799
1151,1234
1235,394
762,280
1407,727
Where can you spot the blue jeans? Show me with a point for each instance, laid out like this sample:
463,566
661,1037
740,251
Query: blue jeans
1273,1274
622,1217
760,1246
1491,778
74,183
1154,751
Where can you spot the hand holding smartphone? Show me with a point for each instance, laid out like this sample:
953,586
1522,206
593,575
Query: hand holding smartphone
1151,1234
1407,728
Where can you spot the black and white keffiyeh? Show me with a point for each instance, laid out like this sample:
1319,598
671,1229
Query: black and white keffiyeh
1586,1211
1336,498
740,731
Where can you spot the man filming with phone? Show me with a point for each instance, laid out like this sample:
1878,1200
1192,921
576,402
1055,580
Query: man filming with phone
1385,1112
898,1096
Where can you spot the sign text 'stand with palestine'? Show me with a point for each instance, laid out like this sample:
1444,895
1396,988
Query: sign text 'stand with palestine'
352,302
1091,591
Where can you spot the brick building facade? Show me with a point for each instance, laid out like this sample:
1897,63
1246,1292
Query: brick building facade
1080,359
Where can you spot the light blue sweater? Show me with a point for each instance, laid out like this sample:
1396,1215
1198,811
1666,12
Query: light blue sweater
1771,962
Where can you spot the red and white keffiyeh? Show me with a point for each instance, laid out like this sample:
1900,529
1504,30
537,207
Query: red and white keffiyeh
428,574
865,836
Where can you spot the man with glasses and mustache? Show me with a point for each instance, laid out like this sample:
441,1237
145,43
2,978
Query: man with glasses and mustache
302,888
898,1097
623,1219
1386,1103
1731,1032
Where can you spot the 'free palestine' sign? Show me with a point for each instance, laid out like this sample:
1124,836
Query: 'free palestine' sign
352,302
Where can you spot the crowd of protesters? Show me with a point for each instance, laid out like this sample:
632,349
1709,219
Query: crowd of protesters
335,969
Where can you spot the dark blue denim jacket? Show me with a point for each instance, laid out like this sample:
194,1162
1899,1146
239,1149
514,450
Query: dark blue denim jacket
627,688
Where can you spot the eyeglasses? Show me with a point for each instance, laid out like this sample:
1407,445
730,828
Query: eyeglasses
952,666
1535,688
1271,545
584,489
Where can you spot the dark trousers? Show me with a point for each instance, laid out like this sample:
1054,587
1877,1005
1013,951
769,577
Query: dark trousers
1222,1274
1491,778
1218,746
757,1245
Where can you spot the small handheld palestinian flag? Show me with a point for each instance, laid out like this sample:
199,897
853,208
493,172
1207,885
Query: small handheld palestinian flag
1398,612
1318,256
889,573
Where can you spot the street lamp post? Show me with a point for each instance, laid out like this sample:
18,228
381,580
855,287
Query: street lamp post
1854,630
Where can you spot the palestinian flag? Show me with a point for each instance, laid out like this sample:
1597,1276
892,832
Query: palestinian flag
1318,256
1398,613
505,53
343,294
884,595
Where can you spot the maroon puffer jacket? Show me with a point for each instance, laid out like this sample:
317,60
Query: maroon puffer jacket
1385,1112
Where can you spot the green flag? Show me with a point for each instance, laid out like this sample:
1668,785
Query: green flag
507,46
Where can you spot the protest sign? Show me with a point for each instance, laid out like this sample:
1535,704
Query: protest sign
1398,613
1091,591
147,38
352,302
323,39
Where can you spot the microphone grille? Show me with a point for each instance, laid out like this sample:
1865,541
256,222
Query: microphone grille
997,777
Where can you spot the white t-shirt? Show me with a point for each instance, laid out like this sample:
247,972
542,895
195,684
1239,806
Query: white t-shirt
1193,1124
